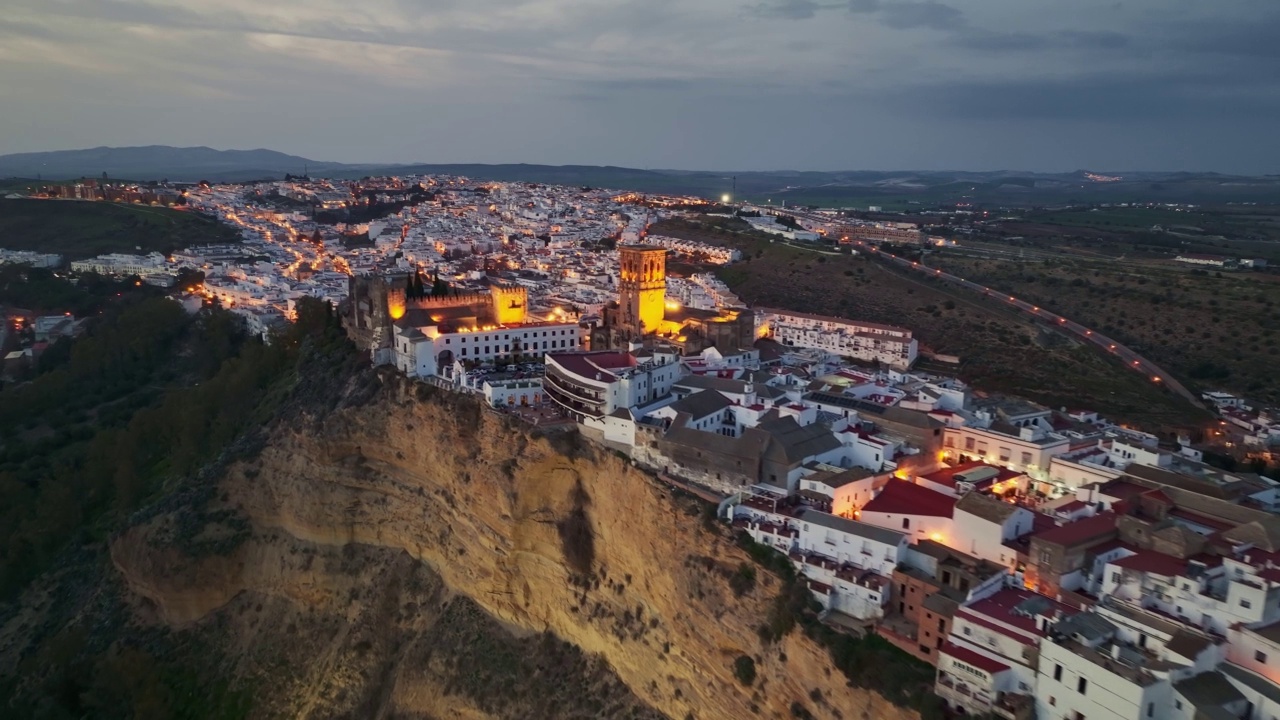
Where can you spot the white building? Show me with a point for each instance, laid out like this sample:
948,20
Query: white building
26,257
122,265
982,524
1118,662
1027,449
427,351
903,506
595,384
848,563
870,342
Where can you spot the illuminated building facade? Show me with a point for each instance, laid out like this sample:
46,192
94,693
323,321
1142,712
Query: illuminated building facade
642,314
642,287
425,336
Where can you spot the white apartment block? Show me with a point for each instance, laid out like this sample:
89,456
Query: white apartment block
27,257
717,255
848,563
120,264
1214,598
428,352
592,385
869,342
1029,451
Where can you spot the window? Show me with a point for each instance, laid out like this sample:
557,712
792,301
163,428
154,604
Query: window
967,631
1057,673
942,625
1245,603
1046,556
1260,656
1151,709
1177,704
1115,578
968,443
1026,458
906,523
1053,700
1082,685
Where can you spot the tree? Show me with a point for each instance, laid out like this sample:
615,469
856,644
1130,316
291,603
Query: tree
744,668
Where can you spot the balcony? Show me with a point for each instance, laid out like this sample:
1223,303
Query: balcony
1013,706
958,693
571,403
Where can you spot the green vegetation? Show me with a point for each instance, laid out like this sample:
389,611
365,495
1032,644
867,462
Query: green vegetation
85,229
744,668
1210,330
868,661
146,398
742,581
43,292
1000,350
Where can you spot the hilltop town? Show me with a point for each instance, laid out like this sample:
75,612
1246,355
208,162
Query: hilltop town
1047,561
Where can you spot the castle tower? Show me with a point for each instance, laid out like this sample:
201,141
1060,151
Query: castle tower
642,287
509,304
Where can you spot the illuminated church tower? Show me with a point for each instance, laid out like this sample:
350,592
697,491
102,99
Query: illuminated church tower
642,287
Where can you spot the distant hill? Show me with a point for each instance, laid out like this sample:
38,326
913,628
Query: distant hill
855,188
156,162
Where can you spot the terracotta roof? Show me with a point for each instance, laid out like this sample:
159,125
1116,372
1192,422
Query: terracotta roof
1016,608
1081,530
969,657
1149,561
900,497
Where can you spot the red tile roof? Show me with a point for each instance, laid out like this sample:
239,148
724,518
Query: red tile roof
1199,519
1000,609
595,365
1149,561
969,657
900,497
1079,531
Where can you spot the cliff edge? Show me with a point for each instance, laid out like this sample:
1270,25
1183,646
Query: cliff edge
415,555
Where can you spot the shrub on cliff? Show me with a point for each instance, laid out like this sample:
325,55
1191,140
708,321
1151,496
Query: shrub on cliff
744,668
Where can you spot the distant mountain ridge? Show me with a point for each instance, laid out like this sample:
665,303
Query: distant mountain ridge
840,188
154,162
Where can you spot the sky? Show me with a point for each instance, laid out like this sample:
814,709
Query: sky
1041,85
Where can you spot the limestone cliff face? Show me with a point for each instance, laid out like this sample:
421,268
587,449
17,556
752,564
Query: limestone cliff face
350,511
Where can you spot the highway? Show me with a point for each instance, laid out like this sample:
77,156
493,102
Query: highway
1131,359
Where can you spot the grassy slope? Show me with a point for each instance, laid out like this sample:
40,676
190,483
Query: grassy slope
85,229
1000,350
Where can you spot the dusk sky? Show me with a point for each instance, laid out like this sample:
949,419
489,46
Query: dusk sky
696,84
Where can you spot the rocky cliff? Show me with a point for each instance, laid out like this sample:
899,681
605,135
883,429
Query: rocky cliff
414,555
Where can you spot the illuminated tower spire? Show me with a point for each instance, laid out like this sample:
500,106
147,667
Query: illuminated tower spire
642,286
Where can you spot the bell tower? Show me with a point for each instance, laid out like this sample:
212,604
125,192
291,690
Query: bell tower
642,287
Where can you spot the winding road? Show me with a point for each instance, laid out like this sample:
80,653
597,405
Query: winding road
1131,359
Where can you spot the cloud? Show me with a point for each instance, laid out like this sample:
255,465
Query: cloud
788,9
1102,98
927,14
559,80
983,40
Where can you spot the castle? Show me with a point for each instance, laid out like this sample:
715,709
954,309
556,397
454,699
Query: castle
501,305
428,333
